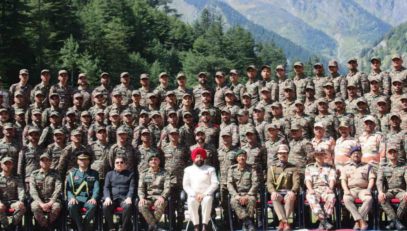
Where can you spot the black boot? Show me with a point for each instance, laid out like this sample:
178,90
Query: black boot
327,225
391,225
399,225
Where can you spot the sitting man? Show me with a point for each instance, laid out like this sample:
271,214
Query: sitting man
154,187
242,186
357,179
45,190
283,183
200,183
391,183
11,194
82,190
320,181
118,191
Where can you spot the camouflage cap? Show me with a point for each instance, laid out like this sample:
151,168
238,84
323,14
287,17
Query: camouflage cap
242,112
151,95
144,76
276,104
265,66
100,128
8,125
124,74
205,92
181,75
71,111
233,71
114,112
240,152
153,154
3,110
18,92
353,59
169,93
298,102
199,130
344,123
82,75
339,100
187,113
116,92
126,112
392,146
332,63
251,67
274,126
289,86
154,113
58,131
246,94
361,100
38,92
76,132
173,131
186,94
97,93
34,130
298,64
226,110
403,96
219,73
226,132
396,56
55,113
205,110
280,67
374,78
36,111
322,101
250,130
320,149
394,115
100,111
229,92
375,58
121,130
318,65
351,84
19,111
381,99
309,87
265,89
60,72
369,118
169,112
78,95
295,127
163,74
135,92
23,71
104,74
397,78
45,156
328,84
259,108
144,112
145,131
7,159
283,148
319,125
202,73
43,71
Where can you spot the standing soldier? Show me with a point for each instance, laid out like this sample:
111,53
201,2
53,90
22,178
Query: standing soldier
104,88
146,148
8,146
301,149
145,89
11,194
228,125
45,190
100,149
203,86
281,81
54,150
283,183
320,179
383,77
372,142
43,87
154,188
359,78
122,147
252,84
300,80
220,90
212,155
357,180
163,88
125,87
242,186
398,71
237,88
21,86
391,183
63,90
273,142
319,80
82,189
182,89
338,79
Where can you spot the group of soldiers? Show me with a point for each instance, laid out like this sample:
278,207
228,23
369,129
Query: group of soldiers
300,132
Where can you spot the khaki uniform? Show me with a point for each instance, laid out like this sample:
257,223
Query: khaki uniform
282,178
45,187
392,180
320,176
357,177
11,189
151,186
243,182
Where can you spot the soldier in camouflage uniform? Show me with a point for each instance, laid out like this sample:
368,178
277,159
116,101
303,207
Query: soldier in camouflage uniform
391,183
100,149
319,80
328,119
104,88
338,79
211,153
398,71
122,147
301,149
299,117
237,88
182,88
242,185
199,90
252,85
146,148
125,87
320,180
397,93
382,77
63,90
11,194
273,142
256,154
54,150
45,190
221,87
283,183
21,86
300,80
186,131
228,125
8,147
359,78
154,188
43,87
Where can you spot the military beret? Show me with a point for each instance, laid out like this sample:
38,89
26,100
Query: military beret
58,131
8,125
124,74
199,129
43,71
352,60
121,130
33,130
23,71
104,74
154,113
153,154
38,92
280,67
225,133
55,113
173,131
265,66
76,132
240,152
283,148
396,56
332,63
180,75
45,155
233,71
83,155
298,64
251,67
135,92
145,130
60,72
7,159
369,118
144,76
162,74
375,58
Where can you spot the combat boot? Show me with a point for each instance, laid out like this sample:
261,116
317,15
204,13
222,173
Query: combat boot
399,225
391,225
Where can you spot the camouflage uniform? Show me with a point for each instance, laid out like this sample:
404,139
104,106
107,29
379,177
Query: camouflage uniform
11,189
45,187
243,182
68,158
226,157
128,151
55,152
361,81
257,158
28,160
10,150
272,147
320,176
253,89
145,152
65,95
300,153
100,163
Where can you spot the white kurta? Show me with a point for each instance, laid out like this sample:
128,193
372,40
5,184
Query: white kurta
200,180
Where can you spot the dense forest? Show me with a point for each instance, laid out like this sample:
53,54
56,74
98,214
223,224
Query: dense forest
138,36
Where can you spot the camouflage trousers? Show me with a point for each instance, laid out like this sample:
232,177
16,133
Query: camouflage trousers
39,214
151,213
319,196
244,211
367,200
17,215
389,210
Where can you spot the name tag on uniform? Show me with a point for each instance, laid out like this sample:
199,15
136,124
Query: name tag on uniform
90,178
